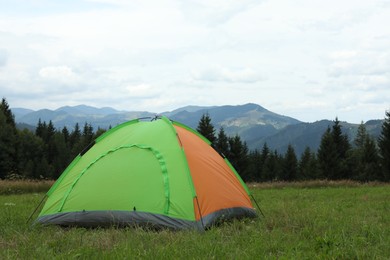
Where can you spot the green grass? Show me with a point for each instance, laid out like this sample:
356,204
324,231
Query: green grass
338,222
24,186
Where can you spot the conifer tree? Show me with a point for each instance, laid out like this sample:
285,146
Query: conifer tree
340,140
254,166
99,132
222,143
88,135
206,128
66,134
41,130
8,141
238,155
361,136
74,141
327,156
290,165
6,111
307,166
365,157
30,153
333,153
7,148
264,153
384,147
50,131
272,168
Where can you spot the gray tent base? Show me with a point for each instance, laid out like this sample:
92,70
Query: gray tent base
142,219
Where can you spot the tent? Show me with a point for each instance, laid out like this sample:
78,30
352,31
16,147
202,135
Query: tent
156,173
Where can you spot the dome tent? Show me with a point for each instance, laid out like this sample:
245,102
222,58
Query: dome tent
158,173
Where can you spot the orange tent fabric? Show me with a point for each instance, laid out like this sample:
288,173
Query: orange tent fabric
216,185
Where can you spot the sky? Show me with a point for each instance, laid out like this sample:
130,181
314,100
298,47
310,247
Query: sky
307,59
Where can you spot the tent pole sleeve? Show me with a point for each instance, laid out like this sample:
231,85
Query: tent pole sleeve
257,205
35,210
200,213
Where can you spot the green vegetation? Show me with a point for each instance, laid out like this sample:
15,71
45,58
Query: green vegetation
345,221
336,159
8,187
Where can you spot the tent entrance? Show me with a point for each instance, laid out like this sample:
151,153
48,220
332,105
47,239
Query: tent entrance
129,178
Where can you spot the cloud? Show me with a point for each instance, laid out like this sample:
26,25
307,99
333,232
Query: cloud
59,74
3,57
241,75
213,13
159,55
359,62
142,91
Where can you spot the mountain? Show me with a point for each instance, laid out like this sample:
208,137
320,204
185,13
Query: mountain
18,111
250,121
253,123
186,108
309,135
88,110
69,116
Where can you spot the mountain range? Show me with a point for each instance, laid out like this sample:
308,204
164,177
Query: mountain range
253,123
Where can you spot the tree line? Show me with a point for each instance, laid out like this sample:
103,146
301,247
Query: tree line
43,154
47,151
363,159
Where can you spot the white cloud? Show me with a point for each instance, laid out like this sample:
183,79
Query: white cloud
142,91
241,75
59,74
159,55
3,57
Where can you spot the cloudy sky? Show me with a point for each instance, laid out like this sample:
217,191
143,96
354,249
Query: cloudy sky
308,59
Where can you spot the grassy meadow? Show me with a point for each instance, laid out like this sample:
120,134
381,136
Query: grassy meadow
341,220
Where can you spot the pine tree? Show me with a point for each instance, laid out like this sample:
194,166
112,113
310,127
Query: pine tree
290,165
340,140
384,147
364,157
30,152
222,143
6,111
361,136
333,153
206,128
65,133
88,135
254,166
62,155
370,160
99,132
41,129
307,166
327,156
238,155
8,141
74,141
264,153
272,168
50,132
7,148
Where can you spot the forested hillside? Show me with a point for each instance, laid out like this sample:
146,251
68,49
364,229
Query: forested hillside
45,152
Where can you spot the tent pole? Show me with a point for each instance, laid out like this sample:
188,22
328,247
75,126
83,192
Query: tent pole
35,210
200,213
258,206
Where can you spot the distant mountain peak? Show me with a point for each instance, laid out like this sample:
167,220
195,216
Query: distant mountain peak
88,110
